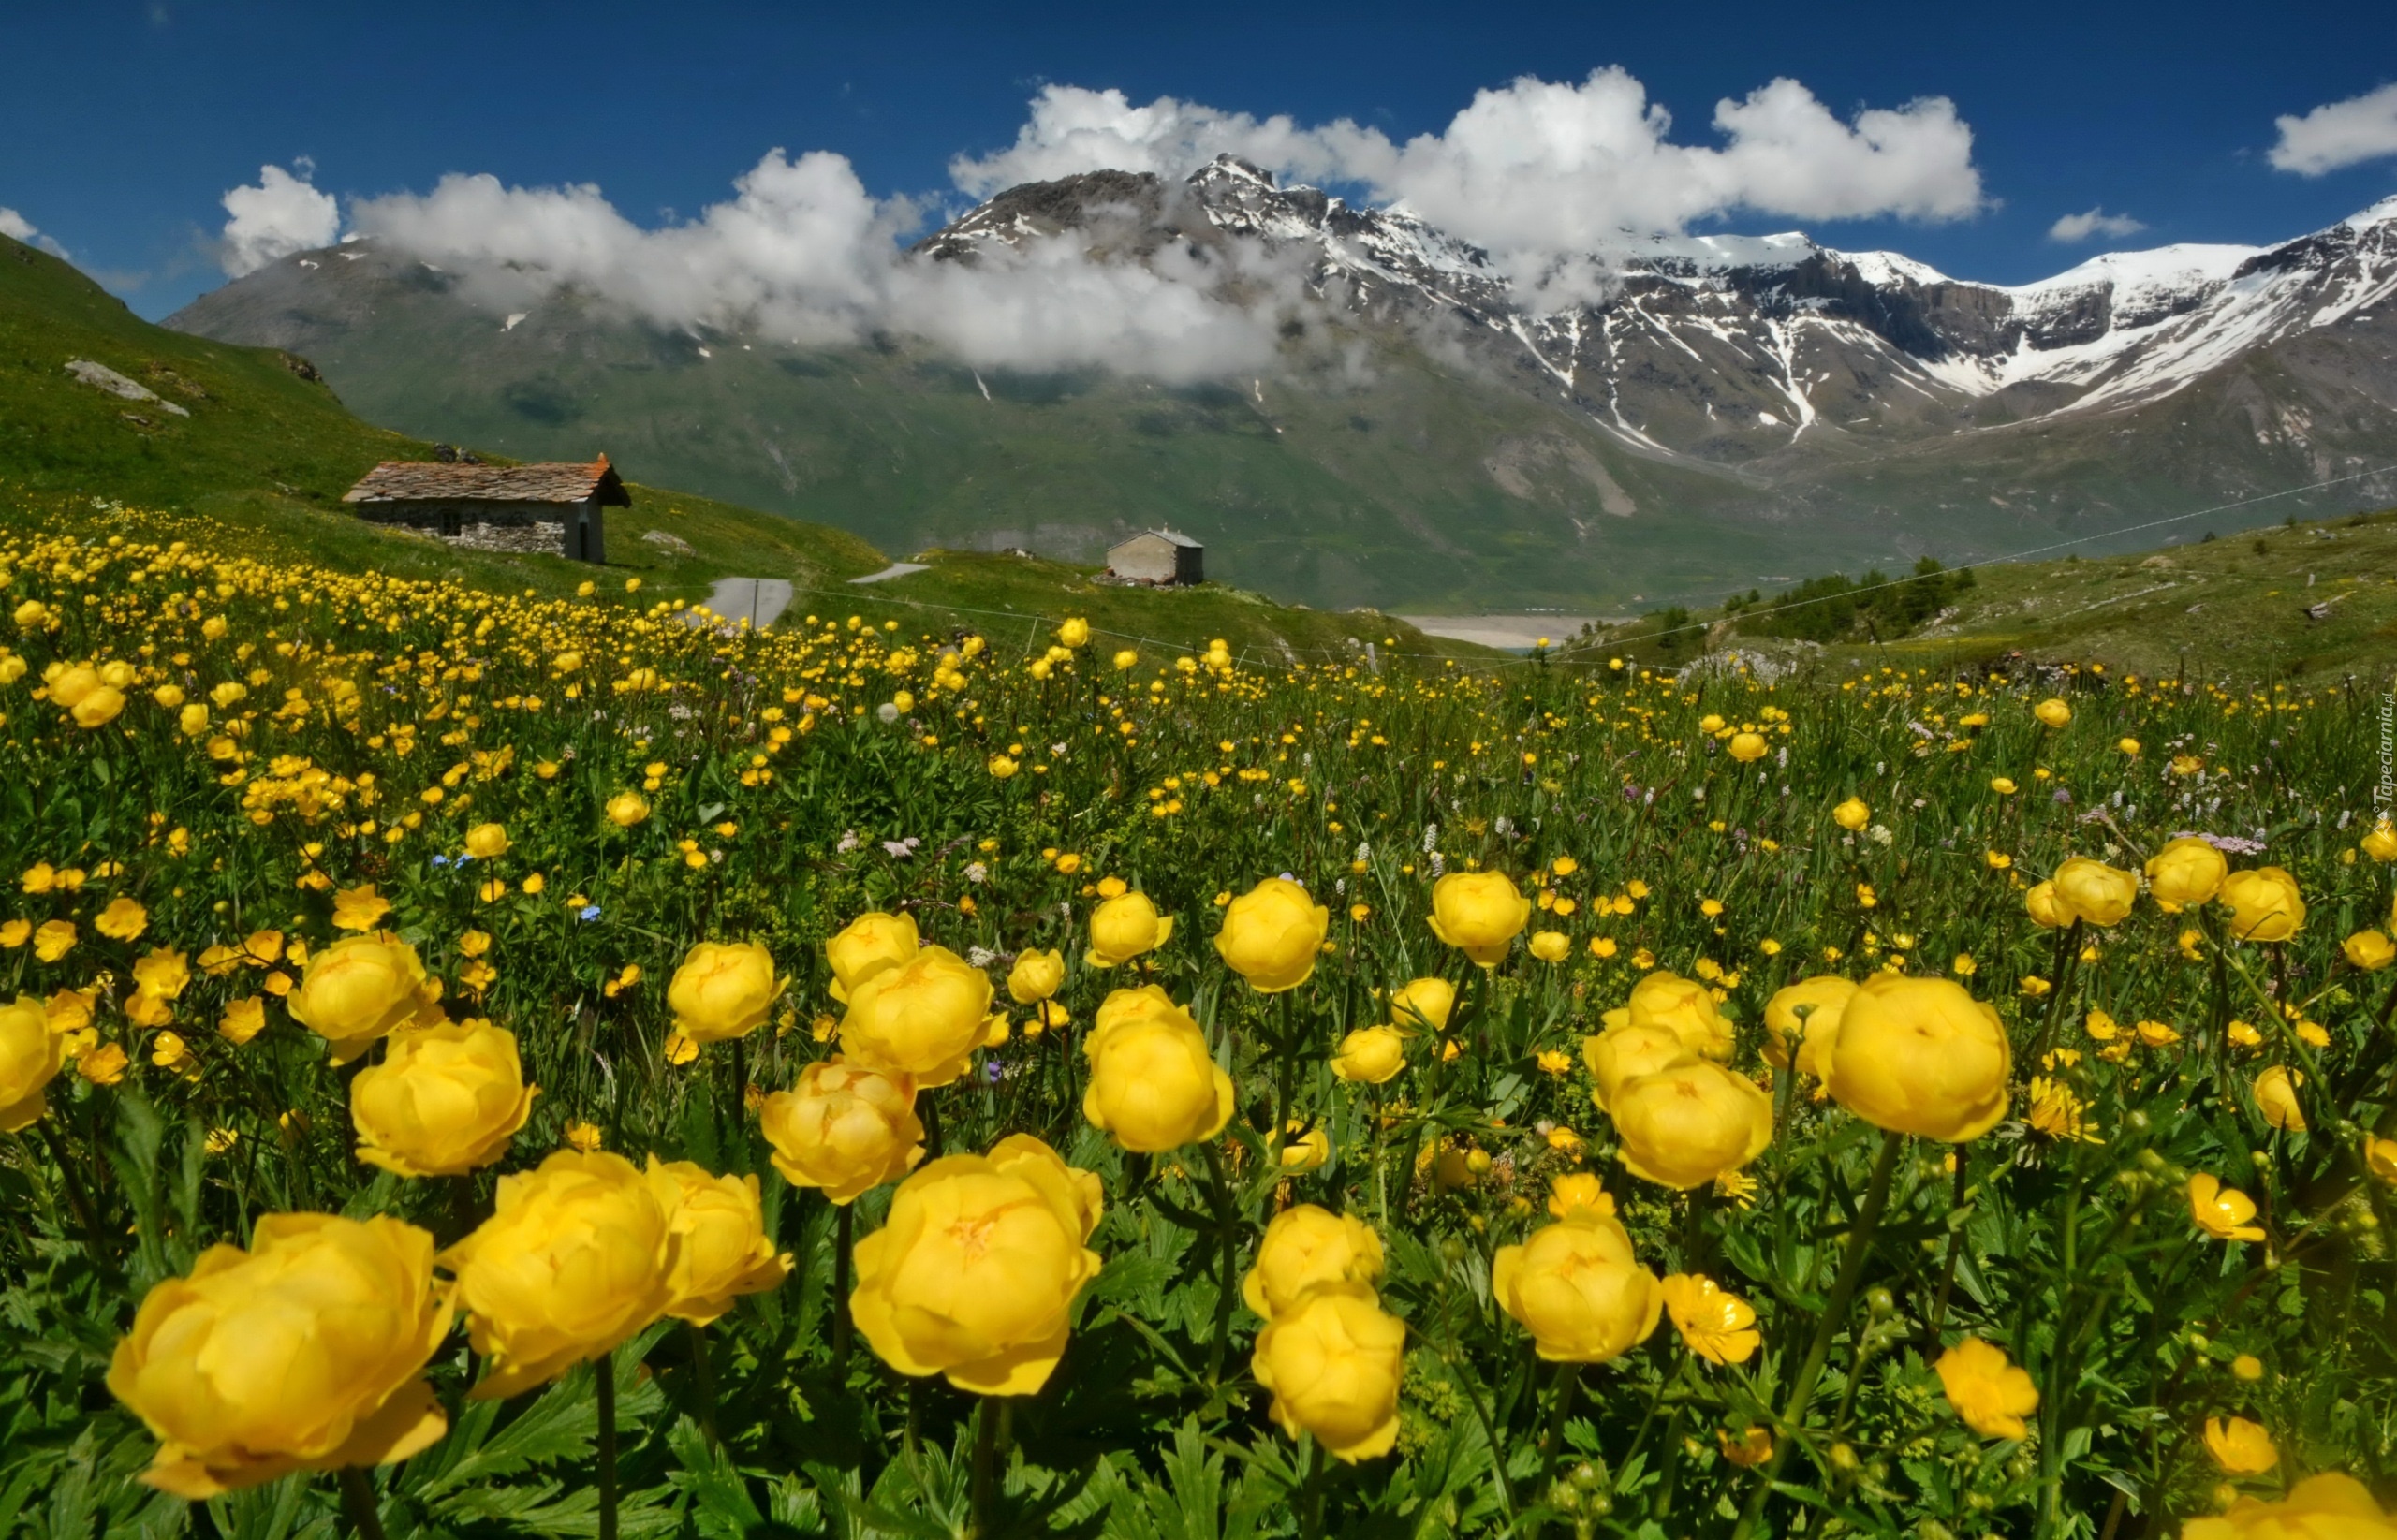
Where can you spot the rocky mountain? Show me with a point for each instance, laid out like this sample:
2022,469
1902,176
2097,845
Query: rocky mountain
1668,418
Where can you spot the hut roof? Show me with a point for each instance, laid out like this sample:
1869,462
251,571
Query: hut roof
415,481
1182,540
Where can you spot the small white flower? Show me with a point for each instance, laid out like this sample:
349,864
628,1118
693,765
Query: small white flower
976,872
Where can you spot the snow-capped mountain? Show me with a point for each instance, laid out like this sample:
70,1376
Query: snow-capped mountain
1736,348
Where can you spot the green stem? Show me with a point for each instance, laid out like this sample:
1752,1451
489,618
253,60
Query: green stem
703,1381
1311,1492
357,1501
77,1200
1568,1379
986,1451
606,1370
2067,964
843,1222
1955,1246
1851,1272
1226,1218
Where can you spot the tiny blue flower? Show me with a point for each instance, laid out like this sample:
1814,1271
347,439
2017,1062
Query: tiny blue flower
589,911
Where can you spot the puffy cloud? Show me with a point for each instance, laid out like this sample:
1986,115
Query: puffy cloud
1539,169
803,251
2081,227
18,228
281,214
2338,134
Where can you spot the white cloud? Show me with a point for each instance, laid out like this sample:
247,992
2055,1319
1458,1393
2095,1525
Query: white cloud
2081,227
2338,134
18,228
803,251
1539,170
281,214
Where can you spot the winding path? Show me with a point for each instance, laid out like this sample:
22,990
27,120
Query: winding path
760,601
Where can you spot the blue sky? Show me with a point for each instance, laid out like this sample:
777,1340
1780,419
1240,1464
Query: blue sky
128,122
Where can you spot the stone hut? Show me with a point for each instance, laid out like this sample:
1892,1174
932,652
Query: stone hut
1157,556
497,508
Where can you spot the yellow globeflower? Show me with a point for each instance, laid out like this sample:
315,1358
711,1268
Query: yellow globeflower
2265,905
2240,1447
1370,1055
31,1056
2222,1213
1919,1056
2329,1506
1305,1248
99,707
627,808
1987,1390
1310,1149
2380,1158
1074,632
1852,815
1797,1012
1689,1123
1423,1005
1332,1364
577,1257
1551,946
2381,843
974,1277
2371,950
1035,977
1124,927
446,1100
844,1128
1272,934
2047,907
1479,912
1748,747
2053,711
304,1353
1683,1005
722,991
1577,1288
868,945
1153,1083
486,840
360,989
721,1249
1715,1324
1001,767
2276,1098
2185,872
1621,1053
2096,893
923,1018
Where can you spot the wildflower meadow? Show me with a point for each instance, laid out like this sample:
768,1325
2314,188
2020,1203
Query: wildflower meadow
476,1065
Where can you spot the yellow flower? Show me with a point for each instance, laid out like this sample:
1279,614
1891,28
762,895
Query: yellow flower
583,1136
1715,1324
1748,747
722,991
15,933
868,945
485,841
2247,1366
1035,977
2002,785
1370,1056
2185,872
122,920
243,1020
1685,1125
1684,1006
2053,711
1310,1149
1751,1448
2380,1158
1153,1083
2047,906
577,1257
1074,632
2157,1035
304,1353
162,974
1919,1056
2096,893
627,808
2276,1098
2127,745
1001,767
2222,1213
2381,843
1622,1052
1305,1248
974,1277
360,908
844,1128
1124,928
1579,1190
54,939
1577,1288
1551,946
2265,905
1332,1364
2370,950
923,1018
1852,815
2329,1506
2240,1447
1479,912
719,1228
358,989
446,1100
1987,1390
99,707
1271,935
102,1065
1423,1005
31,1056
